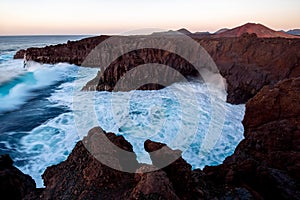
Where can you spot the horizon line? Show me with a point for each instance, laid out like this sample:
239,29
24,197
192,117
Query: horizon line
124,33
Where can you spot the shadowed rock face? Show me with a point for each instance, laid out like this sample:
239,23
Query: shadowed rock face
267,161
82,176
13,183
73,52
247,62
107,80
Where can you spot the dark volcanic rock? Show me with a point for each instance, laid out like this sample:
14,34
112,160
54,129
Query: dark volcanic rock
248,63
107,80
179,171
13,183
152,185
267,161
73,52
82,176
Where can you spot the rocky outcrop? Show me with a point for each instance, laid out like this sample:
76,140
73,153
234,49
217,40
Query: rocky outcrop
153,185
267,161
248,63
73,52
179,171
14,184
82,176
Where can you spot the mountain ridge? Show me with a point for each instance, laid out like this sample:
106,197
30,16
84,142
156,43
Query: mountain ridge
260,30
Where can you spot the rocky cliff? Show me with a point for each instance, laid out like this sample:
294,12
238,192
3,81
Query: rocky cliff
73,52
265,165
267,161
247,62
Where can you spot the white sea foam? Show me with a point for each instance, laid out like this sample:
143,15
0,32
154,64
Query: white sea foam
161,116
20,88
51,142
47,144
138,115
10,69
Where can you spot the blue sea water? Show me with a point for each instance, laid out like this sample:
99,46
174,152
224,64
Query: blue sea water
40,108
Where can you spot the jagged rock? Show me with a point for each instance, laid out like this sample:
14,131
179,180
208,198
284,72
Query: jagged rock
178,171
14,184
73,52
82,176
267,161
152,184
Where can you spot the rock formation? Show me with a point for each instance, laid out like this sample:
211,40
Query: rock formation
267,161
265,165
13,183
73,52
248,63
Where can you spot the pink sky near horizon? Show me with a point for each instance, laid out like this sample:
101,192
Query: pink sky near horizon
29,17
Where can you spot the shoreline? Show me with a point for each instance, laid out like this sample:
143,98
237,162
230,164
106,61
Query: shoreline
259,163
247,63
256,170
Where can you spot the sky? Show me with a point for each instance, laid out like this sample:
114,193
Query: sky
35,17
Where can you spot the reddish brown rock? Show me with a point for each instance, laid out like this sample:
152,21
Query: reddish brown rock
267,161
73,52
258,29
152,184
178,171
248,63
82,176
14,184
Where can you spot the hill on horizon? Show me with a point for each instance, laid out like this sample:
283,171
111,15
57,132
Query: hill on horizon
294,32
260,30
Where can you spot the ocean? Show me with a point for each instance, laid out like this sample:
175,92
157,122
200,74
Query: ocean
43,113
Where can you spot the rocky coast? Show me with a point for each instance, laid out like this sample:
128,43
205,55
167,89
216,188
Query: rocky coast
264,73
